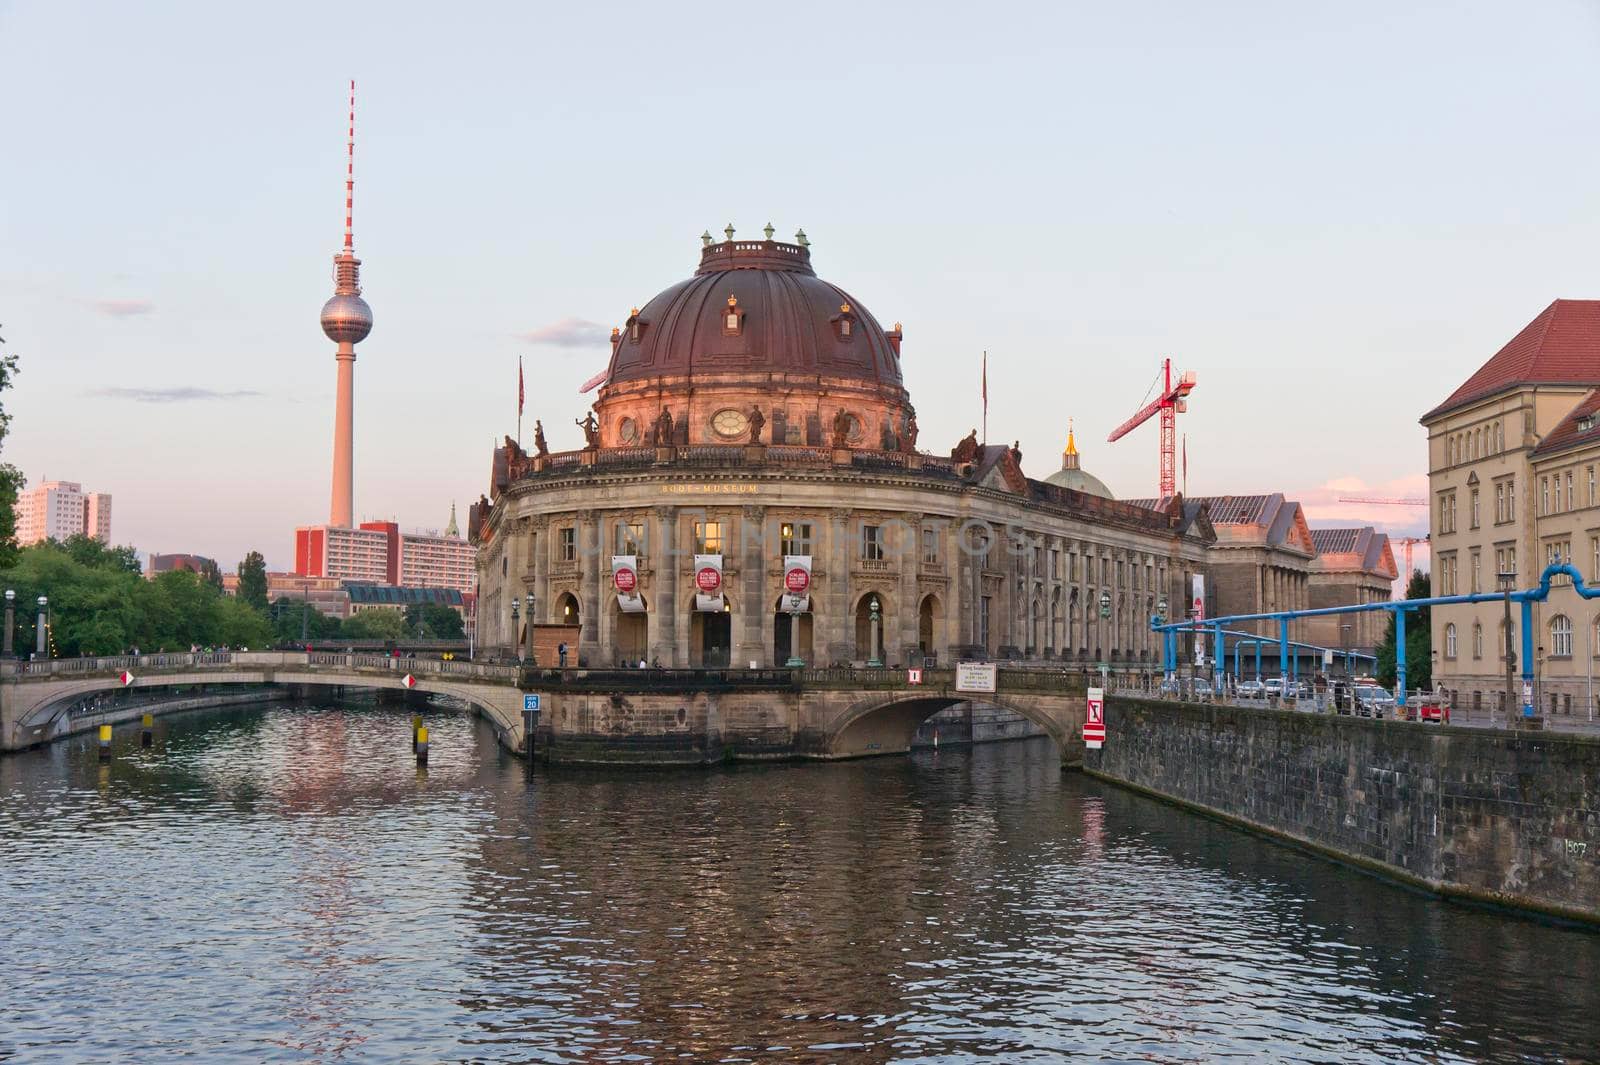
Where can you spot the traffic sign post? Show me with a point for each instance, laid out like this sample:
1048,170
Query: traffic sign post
126,678
913,676
530,702
409,681
1094,720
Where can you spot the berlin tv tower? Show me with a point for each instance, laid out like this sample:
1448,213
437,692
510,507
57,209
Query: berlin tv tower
346,319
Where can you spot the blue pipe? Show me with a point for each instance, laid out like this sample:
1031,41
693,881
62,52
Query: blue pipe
1527,650
1221,663
1400,657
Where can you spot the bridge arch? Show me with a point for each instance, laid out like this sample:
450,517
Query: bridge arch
886,723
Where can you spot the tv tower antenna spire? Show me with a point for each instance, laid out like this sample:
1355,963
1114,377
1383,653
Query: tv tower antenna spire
350,175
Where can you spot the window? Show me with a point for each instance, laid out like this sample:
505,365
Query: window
930,547
1450,641
1544,495
731,318
1476,574
983,622
630,538
1474,518
1569,489
1511,499
1591,486
1105,571
1038,561
872,543
1477,640
568,544
1561,636
708,537
1594,557
1055,563
1499,503
796,537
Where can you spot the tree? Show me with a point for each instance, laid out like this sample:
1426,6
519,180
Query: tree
377,624
292,617
11,479
87,551
1419,641
435,621
253,580
211,573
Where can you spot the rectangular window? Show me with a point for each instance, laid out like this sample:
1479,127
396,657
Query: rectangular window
796,537
1055,563
1474,508
1594,558
930,547
1038,561
983,622
630,538
1511,500
1569,489
1105,571
1476,575
1544,495
1591,486
872,543
568,544
1499,503
708,538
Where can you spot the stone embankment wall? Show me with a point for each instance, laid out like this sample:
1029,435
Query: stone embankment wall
1497,816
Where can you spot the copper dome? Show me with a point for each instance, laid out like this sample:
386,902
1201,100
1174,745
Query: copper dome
786,320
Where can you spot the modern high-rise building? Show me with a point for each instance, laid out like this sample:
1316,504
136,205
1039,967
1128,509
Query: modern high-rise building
55,510
377,552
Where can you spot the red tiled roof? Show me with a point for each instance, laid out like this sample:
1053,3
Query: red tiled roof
1567,432
1560,346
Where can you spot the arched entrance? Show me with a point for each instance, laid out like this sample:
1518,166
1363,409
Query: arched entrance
632,634
567,612
791,636
869,641
886,725
929,615
711,636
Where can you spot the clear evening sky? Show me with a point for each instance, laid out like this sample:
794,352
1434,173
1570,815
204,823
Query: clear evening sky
1331,213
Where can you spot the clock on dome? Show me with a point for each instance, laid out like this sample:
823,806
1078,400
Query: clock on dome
729,423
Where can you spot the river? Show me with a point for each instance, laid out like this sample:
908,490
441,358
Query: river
283,884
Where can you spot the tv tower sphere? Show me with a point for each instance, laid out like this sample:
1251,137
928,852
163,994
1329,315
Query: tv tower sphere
346,318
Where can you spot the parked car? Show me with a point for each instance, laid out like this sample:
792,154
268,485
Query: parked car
1274,687
1251,689
1429,706
1301,689
1373,701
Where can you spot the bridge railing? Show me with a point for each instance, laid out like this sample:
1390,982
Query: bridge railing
141,665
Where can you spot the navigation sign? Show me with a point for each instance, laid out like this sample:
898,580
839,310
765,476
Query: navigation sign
409,681
1094,720
913,676
126,678
530,702
975,677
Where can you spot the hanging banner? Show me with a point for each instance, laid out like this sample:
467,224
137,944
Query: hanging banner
796,584
1197,600
708,583
625,577
1094,720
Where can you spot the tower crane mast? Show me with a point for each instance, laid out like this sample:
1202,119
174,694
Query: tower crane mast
1173,400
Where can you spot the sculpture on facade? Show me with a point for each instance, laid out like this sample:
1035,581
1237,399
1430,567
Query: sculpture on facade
1016,453
910,441
967,450
661,432
758,421
591,431
539,445
841,428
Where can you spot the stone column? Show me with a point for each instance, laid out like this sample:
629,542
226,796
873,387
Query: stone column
904,632
663,634
590,544
836,635
536,550
753,606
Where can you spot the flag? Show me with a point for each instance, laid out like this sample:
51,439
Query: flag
521,392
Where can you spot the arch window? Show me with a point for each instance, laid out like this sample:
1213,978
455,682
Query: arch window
1561,636
1477,640
1450,641
844,323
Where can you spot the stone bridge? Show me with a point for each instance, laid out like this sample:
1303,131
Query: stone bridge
649,716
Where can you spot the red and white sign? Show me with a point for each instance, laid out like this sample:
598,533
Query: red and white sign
796,583
625,577
1197,597
1094,720
708,582
126,678
913,676
409,681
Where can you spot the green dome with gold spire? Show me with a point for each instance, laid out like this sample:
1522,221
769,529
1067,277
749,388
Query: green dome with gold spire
1073,476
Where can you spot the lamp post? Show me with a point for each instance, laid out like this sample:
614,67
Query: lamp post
876,659
533,655
305,611
40,633
1507,579
11,620
516,616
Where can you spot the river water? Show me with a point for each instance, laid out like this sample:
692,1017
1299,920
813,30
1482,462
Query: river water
283,884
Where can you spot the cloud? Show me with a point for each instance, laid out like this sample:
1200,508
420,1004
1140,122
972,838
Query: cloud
173,395
569,333
123,308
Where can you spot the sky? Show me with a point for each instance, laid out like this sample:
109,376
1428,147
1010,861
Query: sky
1331,214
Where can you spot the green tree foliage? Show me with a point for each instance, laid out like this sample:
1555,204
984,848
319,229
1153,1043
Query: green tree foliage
98,605
434,621
253,580
211,573
88,551
1419,641
374,625
291,617
11,479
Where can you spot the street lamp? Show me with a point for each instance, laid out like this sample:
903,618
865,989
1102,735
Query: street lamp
876,659
516,616
39,638
11,617
533,656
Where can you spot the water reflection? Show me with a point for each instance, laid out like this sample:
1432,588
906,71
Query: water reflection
286,885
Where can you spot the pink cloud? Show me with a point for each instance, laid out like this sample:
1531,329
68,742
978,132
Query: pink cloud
123,308
569,333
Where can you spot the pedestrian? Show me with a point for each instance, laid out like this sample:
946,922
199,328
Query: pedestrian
642,663
562,651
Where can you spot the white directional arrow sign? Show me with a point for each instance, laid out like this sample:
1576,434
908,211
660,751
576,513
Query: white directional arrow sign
409,681
126,678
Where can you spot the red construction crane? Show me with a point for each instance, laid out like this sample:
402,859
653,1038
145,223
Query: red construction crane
1384,502
1408,542
1172,401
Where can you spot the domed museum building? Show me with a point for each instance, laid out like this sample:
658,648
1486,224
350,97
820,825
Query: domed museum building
753,492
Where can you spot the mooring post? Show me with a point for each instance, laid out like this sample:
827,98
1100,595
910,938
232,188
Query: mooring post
147,724
422,745
416,723
105,743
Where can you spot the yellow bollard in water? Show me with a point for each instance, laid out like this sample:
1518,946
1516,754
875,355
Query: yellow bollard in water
146,724
422,745
105,742
416,724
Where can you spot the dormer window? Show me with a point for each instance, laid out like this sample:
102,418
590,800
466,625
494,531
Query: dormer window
844,323
732,318
635,325
1586,423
